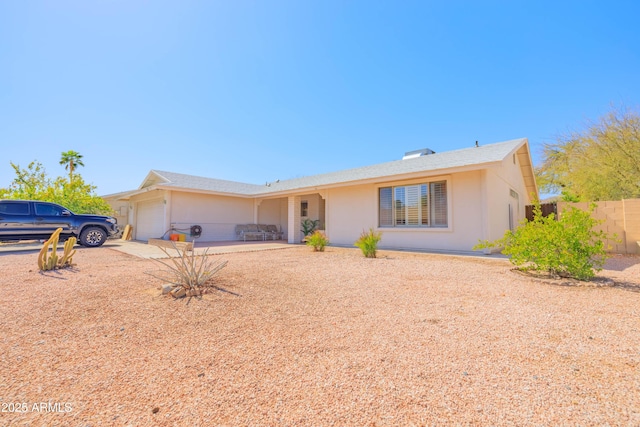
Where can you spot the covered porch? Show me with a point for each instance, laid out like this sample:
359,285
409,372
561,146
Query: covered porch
289,212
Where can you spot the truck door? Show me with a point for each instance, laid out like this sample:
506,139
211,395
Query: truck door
15,219
49,217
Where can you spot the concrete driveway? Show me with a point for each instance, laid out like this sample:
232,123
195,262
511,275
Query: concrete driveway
144,250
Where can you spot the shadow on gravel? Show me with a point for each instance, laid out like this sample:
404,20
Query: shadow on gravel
57,273
187,300
596,282
621,262
627,286
218,288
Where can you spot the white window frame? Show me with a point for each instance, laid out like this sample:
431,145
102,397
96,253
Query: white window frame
415,209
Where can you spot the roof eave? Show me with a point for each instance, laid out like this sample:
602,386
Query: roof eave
201,191
147,178
526,167
379,179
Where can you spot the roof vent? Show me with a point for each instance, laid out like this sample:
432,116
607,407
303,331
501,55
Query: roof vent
417,153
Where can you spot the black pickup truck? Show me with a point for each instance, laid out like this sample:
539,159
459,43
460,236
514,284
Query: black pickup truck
36,220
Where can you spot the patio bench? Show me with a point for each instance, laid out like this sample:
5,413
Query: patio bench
271,232
246,232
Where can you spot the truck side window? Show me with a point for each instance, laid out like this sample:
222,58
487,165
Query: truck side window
47,209
14,208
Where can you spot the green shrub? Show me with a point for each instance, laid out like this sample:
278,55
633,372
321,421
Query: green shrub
567,247
318,240
309,226
368,242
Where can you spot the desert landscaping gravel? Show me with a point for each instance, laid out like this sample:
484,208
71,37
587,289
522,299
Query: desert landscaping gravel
290,337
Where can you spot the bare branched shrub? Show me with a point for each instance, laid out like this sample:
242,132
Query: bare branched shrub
188,270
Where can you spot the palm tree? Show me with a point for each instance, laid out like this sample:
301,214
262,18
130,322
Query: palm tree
71,159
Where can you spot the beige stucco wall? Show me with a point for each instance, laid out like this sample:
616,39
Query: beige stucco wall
274,212
497,200
217,215
350,210
499,181
316,207
120,211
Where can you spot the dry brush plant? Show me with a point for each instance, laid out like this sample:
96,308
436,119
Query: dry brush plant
49,260
187,272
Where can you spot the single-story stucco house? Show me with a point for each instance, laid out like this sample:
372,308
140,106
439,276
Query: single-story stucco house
430,201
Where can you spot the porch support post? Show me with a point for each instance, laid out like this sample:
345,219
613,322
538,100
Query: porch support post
324,195
256,209
293,219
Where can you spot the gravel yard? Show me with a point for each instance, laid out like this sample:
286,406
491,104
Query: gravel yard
292,337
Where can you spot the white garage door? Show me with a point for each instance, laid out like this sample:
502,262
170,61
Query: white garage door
150,220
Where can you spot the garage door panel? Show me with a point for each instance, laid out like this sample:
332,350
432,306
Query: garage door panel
150,220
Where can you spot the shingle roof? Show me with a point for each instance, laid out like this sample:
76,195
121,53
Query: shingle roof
206,184
466,157
429,163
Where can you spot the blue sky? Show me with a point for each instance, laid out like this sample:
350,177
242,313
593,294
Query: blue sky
255,91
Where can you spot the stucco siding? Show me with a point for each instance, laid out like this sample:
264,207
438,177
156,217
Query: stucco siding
465,207
217,215
351,210
512,174
501,181
468,210
498,199
284,210
270,212
315,207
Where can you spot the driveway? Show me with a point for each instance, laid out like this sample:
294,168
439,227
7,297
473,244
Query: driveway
144,250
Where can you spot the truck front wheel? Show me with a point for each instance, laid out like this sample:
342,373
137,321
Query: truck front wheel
92,237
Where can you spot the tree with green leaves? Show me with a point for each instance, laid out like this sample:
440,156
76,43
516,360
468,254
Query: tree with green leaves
29,184
33,183
600,163
70,159
569,246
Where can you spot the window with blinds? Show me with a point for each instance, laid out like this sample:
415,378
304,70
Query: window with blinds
421,205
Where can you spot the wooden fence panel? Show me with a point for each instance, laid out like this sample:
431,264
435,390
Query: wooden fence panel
547,209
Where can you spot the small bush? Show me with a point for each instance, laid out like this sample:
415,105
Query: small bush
368,242
318,240
309,226
567,247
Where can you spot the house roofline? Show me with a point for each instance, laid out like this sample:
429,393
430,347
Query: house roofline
308,189
155,180
377,180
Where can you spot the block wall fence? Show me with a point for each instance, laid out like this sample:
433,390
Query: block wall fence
621,217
